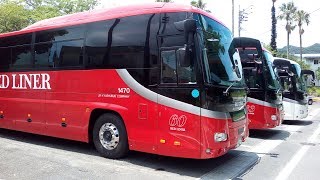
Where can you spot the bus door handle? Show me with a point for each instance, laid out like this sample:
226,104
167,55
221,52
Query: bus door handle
29,120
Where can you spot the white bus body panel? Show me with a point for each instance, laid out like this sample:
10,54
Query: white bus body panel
293,110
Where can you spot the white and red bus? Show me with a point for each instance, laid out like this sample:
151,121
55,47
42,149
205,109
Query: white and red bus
157,78
265,109
295,100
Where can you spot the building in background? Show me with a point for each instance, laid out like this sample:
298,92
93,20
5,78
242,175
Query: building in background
314,61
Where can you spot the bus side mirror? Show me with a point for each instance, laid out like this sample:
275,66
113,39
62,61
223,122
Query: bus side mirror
184,58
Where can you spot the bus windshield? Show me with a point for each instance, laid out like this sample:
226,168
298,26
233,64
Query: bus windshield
221,59
272,82
300,84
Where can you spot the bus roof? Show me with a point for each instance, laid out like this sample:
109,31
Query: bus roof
284,59
105,14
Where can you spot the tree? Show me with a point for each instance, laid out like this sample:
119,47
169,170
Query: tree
301,17
13,16
287,13
43,9
317,73
273,43
17,14
200,4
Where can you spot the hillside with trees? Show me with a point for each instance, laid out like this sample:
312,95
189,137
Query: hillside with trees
313,49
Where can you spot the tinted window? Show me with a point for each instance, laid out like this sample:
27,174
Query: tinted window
21,56
5,57
16,40
169,67
172,72
69,53
76,32
128,42
60,47
167,22
42,54
169,41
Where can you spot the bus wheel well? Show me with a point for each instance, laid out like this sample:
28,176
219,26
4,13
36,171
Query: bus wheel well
95,114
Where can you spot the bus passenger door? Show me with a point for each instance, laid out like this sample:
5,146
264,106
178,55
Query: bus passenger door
179,106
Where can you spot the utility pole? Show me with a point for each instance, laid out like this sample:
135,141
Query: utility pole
243,16
233,17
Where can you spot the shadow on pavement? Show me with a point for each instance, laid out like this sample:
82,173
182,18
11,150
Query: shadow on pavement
206,169
297,122
270,134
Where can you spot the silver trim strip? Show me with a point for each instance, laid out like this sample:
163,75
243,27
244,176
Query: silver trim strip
165,101
262,103
291,100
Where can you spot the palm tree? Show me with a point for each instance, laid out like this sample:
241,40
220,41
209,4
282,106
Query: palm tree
302,17
199,4
273,43
287,12
164,1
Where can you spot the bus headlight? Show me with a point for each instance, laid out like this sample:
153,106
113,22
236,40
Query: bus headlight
220,137
273,117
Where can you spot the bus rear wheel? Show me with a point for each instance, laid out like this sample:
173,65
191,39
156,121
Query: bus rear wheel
110,136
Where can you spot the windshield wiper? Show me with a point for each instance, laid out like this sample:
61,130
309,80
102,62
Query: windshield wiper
227,90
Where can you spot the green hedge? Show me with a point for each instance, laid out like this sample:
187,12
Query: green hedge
315,91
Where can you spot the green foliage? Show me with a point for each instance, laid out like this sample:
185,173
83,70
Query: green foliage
317,73
17,14
13,16
313,49
287,13
273,43
314,91
200,4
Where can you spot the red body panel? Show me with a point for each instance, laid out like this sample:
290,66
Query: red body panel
71,96
260,116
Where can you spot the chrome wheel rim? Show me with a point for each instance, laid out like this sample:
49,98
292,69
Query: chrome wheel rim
109,136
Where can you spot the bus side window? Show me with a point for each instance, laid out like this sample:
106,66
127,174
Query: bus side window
168,67
42,54
60,48
5,54
69,53
21,57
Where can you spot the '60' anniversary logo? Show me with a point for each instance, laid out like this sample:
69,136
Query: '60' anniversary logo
177,123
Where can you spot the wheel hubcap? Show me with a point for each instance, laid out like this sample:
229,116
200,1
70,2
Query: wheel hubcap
109,136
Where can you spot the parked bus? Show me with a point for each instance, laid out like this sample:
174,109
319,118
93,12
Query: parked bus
264,97
294,88
160,78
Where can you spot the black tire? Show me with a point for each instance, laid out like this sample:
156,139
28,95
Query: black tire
122,146
310,101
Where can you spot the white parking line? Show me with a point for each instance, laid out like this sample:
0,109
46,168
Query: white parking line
286,171
265,147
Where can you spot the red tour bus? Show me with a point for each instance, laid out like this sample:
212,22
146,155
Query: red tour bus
265,109
157,78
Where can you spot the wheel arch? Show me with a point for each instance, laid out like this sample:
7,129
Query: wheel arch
95,114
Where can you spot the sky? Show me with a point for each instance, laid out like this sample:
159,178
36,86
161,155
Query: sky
258,24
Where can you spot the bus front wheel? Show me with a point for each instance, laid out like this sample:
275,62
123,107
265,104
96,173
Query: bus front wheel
110,136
